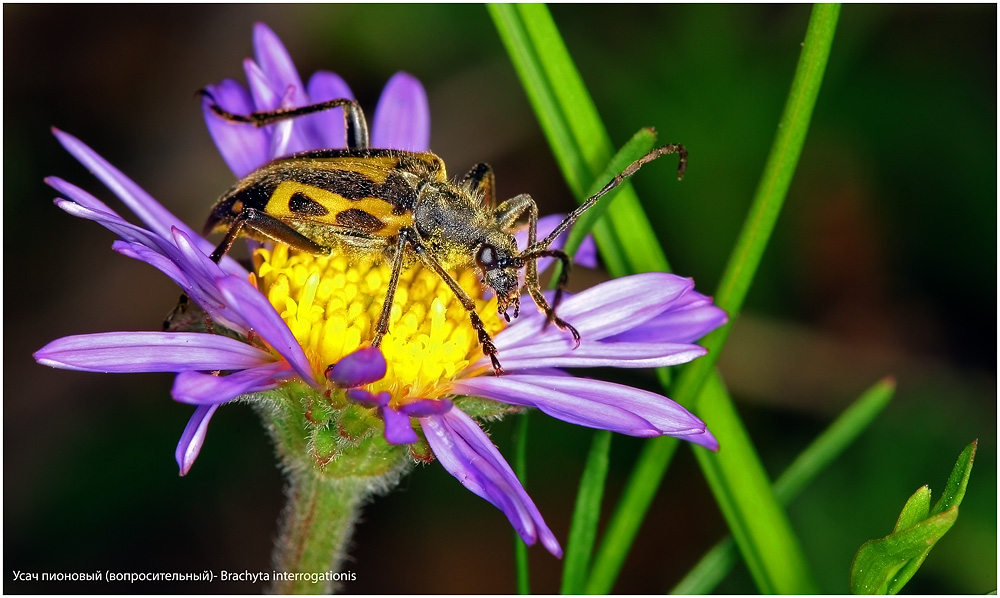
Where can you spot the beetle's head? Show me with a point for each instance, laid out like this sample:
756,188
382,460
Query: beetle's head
500,266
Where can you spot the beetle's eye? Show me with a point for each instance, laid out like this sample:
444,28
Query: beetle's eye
486,257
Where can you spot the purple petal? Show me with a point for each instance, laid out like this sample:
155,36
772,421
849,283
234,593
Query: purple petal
114,223
688,319
203,275
327,127
586,253
265,93
193,437
368,398
198,388
274,60
402,117
79,196
561,354
593,403
364,366
138,251
206,296
152,214
286,136
603,310
526,391
243,146
397,427
156,217
467,453
124,352
427,407
260,314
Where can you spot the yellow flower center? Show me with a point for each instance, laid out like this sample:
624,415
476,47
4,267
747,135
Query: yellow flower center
331,305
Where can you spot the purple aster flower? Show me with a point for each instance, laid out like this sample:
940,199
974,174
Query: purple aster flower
300,324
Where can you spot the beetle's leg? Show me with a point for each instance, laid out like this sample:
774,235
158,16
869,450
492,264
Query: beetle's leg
507,214
382,327
354,118
270,227
550,312
413,238
481,180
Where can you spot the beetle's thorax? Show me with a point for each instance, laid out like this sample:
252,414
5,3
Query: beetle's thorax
447,217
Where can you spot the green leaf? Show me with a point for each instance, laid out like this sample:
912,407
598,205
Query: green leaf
878,561
741,487
954,490
916,509
772,553
719,560
883,566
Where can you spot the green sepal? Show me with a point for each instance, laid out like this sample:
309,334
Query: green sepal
484,409
322,431
883,566
325,446
357,423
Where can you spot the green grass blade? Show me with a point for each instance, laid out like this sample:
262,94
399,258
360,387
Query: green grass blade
579,141
638,494
639,145
741,487
719,560
735,474
521,470
834,440
561,102
586,515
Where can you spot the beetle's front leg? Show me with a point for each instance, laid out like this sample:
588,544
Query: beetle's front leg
489,349
382,327
507,215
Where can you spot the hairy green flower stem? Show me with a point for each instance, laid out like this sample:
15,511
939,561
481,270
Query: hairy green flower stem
335,459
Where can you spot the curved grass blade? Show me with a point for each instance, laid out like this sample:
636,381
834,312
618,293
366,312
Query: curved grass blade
521,471
586,514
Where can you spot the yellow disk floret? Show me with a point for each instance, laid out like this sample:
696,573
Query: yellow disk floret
331,305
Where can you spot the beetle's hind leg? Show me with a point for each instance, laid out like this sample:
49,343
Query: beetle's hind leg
267,226
354,119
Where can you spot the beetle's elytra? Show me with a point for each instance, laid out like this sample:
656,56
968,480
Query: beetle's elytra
401,205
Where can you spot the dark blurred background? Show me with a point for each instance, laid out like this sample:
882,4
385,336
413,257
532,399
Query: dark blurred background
882,263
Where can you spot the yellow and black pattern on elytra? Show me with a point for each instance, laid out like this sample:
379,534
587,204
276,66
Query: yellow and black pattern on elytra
356,209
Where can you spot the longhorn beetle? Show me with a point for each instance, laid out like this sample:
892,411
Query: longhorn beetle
401,205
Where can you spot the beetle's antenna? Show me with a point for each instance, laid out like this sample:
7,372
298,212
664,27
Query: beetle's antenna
678,149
